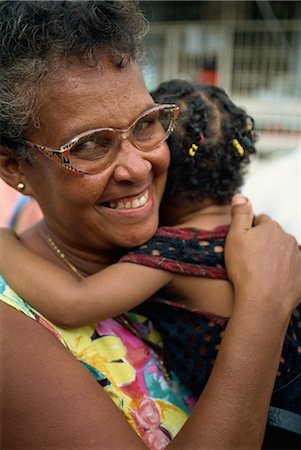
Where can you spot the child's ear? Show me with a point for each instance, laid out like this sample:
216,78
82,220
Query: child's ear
11,171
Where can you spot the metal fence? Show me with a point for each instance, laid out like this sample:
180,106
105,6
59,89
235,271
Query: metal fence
258,63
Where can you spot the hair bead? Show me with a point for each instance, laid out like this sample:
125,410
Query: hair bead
193,149
238,147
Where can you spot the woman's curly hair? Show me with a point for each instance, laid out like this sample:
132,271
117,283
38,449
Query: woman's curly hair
211,145
37,37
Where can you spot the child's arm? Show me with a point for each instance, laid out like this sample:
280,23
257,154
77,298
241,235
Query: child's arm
70,302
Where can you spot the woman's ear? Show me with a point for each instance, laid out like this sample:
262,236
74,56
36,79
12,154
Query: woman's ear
11,171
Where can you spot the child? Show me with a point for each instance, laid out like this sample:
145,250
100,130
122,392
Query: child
210,150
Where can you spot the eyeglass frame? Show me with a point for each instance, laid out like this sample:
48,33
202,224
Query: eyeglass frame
61,155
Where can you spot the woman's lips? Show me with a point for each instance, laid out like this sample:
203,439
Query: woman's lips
134,203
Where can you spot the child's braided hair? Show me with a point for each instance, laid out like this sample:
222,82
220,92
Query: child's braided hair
211,145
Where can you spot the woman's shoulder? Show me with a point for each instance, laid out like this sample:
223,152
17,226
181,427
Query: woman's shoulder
43,384
121,362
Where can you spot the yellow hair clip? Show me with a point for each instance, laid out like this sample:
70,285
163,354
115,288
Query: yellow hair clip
238,147
193,149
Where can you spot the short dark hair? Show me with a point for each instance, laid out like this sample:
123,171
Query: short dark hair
35,34
221,133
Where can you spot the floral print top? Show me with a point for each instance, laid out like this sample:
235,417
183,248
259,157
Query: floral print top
128,369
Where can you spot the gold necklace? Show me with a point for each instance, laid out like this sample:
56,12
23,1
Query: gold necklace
64,258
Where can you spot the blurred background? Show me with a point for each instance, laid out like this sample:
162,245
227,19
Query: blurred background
253,50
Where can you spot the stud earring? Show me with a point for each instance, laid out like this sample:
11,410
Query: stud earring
20,186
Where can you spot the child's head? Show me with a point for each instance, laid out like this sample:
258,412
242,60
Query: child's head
211,145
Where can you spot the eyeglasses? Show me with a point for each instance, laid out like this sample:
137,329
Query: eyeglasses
94,150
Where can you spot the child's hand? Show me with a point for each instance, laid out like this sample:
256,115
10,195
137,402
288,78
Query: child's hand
8,233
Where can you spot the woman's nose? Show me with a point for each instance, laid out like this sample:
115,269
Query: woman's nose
131,163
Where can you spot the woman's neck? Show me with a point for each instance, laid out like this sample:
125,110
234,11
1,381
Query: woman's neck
47,244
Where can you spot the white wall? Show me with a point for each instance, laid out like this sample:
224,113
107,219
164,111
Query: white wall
274,186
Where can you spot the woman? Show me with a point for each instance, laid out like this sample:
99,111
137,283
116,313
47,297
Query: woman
71,69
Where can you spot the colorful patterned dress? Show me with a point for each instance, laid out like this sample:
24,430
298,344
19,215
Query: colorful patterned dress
128,369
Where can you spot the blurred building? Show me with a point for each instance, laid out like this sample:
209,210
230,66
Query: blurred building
250,48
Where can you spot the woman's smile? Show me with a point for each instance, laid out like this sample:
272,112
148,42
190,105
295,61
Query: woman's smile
128,203
131,206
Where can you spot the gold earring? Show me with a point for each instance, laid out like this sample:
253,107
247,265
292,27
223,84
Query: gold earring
20,186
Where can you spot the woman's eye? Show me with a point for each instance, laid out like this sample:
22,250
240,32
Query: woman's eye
146,125
97,146
89,150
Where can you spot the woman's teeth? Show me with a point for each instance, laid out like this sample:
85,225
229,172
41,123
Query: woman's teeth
137,203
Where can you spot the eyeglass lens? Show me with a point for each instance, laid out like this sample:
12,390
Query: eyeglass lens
97,150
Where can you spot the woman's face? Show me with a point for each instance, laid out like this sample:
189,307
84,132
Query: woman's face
81,209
